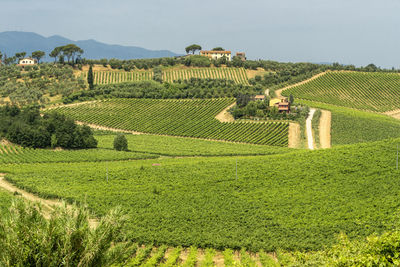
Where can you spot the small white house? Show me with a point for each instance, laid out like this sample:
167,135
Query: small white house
27,61
217,54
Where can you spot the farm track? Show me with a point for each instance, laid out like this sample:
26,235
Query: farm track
279,91
224,115
325,129
294,135
47,204
310,139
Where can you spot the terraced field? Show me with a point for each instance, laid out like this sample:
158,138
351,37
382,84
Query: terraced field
238,75
379,92
187,118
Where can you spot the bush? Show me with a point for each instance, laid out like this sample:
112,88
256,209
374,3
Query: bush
120,143
65,239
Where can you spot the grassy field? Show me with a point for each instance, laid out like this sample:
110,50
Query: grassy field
5,201
188,118
16,154
199,201
238,75
351,126
179,147
367,91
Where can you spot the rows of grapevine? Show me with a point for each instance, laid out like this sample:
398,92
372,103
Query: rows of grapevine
265,204
377,92
16,154
238,75
188,118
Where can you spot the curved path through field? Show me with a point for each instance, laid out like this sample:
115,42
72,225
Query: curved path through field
225,116
310,139
47,204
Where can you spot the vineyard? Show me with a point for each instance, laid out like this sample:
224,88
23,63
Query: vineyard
16,154
379,92
238,75
351,126
201,202
186,118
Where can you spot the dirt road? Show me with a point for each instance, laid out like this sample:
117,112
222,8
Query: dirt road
294,135
47,204
310,139
225,116
325,129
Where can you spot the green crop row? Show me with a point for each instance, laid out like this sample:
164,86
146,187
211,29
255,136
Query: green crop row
238,75
17,154
378,92
187,118
349,126
291,201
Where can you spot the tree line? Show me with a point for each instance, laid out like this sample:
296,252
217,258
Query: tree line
26,127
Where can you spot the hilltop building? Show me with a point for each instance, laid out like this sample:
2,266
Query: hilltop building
27,61
260,97
283,106
241,55
217,54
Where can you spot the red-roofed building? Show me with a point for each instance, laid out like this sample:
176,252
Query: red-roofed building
217,54
283,106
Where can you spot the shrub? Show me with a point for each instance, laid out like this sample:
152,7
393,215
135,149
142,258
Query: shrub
120,143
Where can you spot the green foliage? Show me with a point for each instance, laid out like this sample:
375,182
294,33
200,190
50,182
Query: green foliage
200,202
192,258
351,126
367,91
188,118
27,128
193,88
38,55
90,78
192,48
208,258
179,147
172,258
120,143
28,239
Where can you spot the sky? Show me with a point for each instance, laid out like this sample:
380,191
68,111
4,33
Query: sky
356,32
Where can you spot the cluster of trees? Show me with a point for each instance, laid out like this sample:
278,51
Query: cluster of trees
38,55
193,88
33,83
71,51
247,108
27,128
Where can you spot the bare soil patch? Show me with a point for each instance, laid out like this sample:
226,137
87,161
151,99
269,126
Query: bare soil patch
225,116
325,129
294,135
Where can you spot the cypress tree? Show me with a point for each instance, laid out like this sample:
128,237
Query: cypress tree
90,77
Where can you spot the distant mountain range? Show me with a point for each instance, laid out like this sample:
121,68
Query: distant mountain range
12,42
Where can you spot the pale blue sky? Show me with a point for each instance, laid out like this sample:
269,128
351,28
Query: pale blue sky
347,31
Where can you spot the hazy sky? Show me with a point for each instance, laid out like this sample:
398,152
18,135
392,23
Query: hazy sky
347,31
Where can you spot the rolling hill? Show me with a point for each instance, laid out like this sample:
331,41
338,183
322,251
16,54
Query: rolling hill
12,42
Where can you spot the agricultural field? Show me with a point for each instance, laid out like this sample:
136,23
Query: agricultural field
187,118
238,75
201,201
372,91
15,154
180,147
351,126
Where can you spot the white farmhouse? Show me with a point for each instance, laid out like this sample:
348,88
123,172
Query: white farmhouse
217,54
27,61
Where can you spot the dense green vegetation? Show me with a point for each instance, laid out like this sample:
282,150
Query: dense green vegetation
199,201
178,147
5,201
189,118
237,75
193,88
351,126
28,128
15,154
37,83
369,91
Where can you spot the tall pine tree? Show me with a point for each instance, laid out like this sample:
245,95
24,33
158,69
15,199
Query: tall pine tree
90,77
